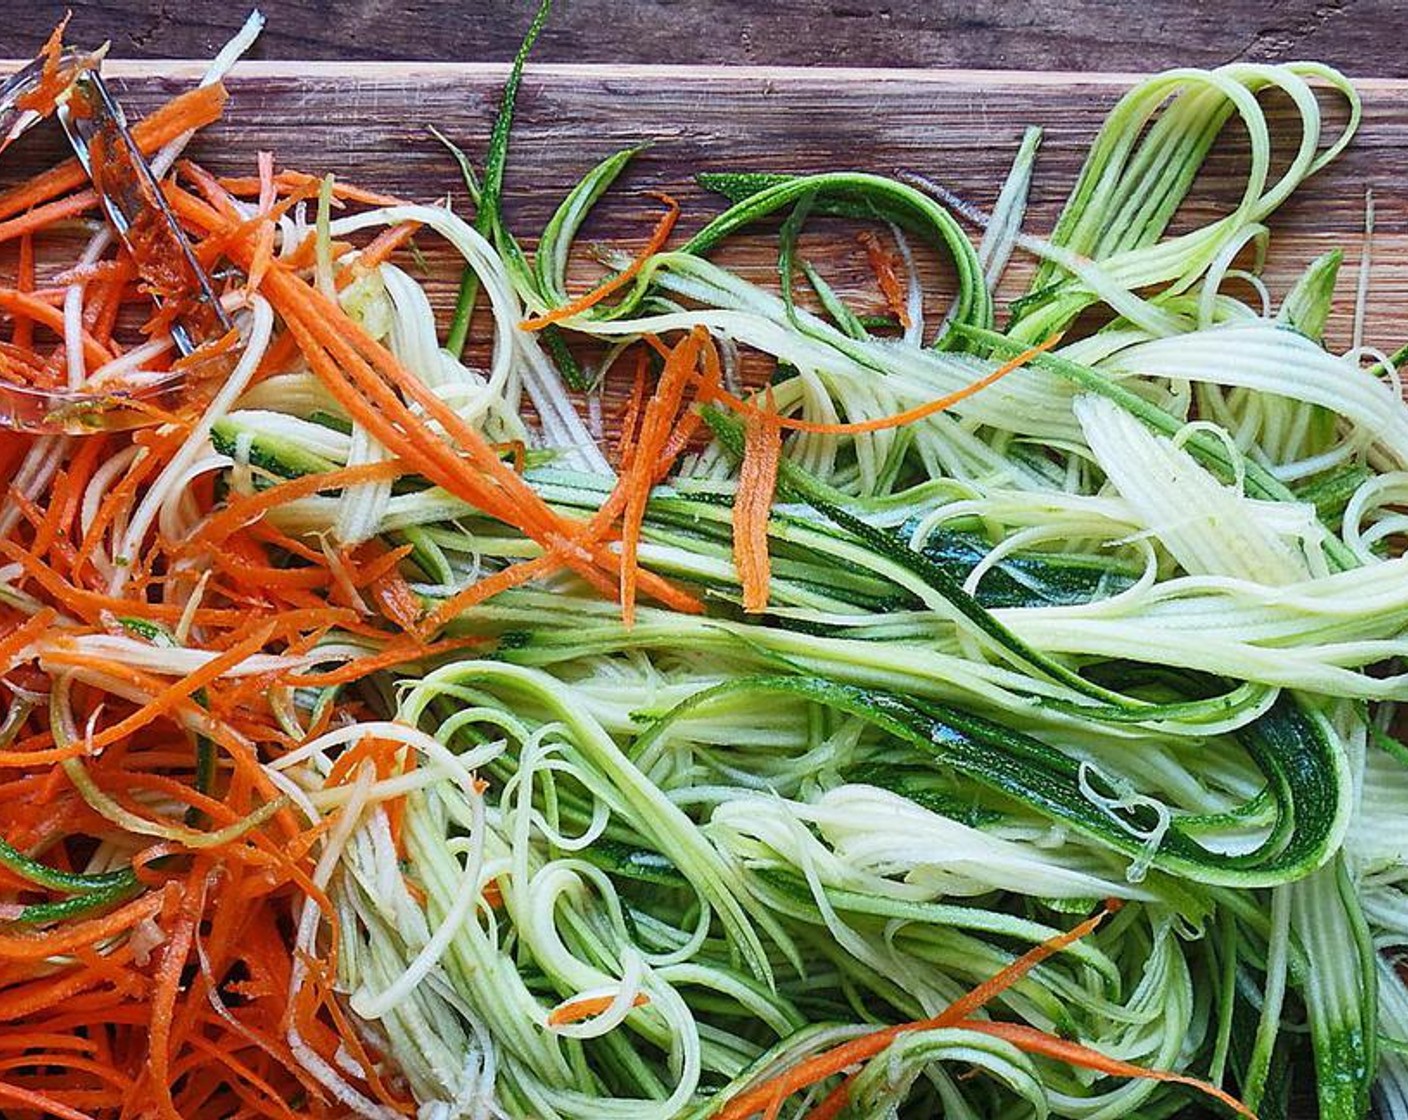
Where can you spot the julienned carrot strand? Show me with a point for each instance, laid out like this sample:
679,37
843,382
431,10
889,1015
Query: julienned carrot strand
615,283
13,644
821,1066
661,412
216,197
42,217
91,604
153,455
883,265
46,529
107,305
263,256
630,419
835,1102
81,466
174,955
45,1105
160,704
287,180
397,601
237,229
1032,1041
23,335
708,381
24,1000
52,1055
267,187
52,79
574,1011
50,1041
378,565
18,302
246,1074
752,506
998,983
515,575
34,947
245,509
393,654
898,419
265,533
377,252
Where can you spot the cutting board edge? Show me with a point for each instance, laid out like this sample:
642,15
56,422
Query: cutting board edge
815,75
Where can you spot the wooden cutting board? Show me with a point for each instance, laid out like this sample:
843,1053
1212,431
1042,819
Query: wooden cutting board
368,123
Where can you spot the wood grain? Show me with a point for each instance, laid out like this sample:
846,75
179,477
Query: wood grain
1363,36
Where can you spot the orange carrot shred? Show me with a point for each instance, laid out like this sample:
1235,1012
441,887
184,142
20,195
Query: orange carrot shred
883,265
1032,1041
643,459
42,98
192,109
752,505
818,1068
23,335
617,282
574,1011
898,419
14,643
44,1105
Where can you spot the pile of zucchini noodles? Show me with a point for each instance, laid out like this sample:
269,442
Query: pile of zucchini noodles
1127,624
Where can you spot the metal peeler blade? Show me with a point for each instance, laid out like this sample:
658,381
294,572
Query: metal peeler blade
137,209
15,121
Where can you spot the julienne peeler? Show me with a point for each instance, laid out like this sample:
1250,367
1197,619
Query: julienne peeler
137,213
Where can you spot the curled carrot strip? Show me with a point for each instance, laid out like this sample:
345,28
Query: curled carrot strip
193,109
898,419
620,280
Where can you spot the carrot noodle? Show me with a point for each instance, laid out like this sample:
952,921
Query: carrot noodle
585,302
898,419
883,265
757,479
817,1069
574,1011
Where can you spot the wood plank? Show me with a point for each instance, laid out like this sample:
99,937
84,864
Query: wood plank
1363,36
367,123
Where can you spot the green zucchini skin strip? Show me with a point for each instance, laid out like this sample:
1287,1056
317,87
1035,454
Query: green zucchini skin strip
77,905
488,218
1340,990
1308,774
41,874
793,479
